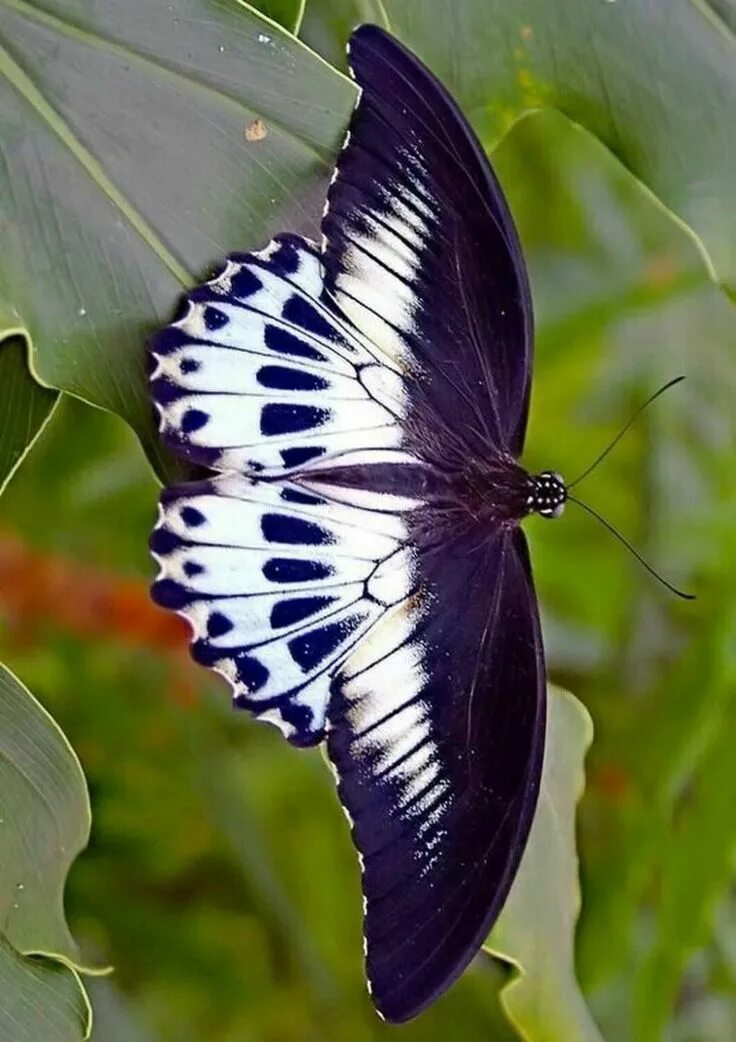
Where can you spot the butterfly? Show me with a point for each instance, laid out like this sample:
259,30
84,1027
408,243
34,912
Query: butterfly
354,563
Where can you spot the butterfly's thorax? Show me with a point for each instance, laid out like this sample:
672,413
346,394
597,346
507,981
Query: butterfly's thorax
495,490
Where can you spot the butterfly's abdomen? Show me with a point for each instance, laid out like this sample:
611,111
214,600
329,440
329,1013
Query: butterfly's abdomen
419,482
492,491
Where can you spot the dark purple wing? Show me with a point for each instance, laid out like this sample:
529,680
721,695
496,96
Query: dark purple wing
421,253
436,732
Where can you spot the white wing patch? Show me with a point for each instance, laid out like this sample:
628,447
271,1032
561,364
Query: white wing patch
389,721
380,261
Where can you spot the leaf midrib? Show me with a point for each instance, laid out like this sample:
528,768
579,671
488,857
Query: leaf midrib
28,90
26,87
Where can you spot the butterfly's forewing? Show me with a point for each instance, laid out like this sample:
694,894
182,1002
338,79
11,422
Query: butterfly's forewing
420,250
437,733
261,375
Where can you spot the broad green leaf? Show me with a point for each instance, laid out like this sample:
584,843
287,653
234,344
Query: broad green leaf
655,81
25,405
326,25
44,823
127,172
536,931
287,13
40,1000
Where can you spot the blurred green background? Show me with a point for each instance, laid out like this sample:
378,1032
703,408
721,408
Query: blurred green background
220,881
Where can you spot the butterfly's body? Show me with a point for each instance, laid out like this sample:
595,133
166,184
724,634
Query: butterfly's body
354,565
491,492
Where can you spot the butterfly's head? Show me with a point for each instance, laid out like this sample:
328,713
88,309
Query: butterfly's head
547,494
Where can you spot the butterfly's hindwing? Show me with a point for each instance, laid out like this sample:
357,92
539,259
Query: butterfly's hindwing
436,731
278,584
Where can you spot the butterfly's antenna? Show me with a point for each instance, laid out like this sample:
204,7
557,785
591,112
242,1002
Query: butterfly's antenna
619,436
632,549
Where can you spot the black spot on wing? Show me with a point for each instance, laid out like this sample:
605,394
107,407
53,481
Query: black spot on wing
291,570
285,260
168,593
168,340
298,716
302,454
192,517
206,654
301,313
218,624
309,649
296,609
162,541
164,391
250,672
301,719
214,319
281,418
244,283
284,528
193,420
295,495
284,378
286,343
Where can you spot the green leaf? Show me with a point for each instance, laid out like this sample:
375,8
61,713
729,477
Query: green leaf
40,1000
44,824
536,931
127,171
326,25
287,13
25,405
690,887
655,82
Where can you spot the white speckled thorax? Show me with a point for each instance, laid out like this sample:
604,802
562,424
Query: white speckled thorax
547,494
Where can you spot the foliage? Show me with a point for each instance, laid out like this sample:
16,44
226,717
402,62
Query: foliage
26,408
44,823
41,999
610,68
220,881
536,932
